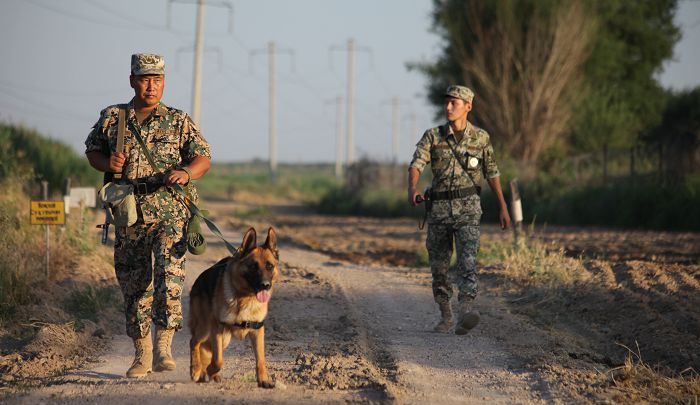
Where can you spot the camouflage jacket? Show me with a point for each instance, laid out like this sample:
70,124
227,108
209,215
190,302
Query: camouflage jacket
172,139
448,174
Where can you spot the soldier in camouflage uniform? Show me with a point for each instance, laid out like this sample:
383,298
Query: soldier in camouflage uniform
151,288
460,154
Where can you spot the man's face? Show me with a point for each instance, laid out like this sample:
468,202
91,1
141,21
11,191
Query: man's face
456,108
148,89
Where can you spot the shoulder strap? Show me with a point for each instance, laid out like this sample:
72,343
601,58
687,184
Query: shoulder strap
142,144
443,131
121,129
190,205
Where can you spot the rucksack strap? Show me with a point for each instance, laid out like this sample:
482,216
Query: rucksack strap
121,129
443,131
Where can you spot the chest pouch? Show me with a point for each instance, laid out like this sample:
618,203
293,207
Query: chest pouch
473,160
121,202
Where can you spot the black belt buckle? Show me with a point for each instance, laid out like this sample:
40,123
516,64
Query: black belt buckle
141,188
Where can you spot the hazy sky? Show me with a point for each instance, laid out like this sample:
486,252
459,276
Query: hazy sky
63,61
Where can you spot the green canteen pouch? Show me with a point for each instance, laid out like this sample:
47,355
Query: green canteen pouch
121,202
196,244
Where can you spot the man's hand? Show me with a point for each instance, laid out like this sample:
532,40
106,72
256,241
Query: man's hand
116,162
177,177
505,218
412,194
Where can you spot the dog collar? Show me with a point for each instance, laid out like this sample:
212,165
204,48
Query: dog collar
245,324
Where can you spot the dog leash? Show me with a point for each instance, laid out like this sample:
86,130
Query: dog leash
188,203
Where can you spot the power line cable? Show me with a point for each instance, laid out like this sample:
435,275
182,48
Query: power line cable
84,18
128,18
51,108
25,88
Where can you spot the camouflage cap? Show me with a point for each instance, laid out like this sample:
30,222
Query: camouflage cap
462,92
147,64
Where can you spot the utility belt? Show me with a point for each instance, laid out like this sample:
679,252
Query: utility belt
431,196
147,185
452,194
118,196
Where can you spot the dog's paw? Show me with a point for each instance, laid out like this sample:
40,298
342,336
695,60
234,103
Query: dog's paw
266,384
198,376
216,377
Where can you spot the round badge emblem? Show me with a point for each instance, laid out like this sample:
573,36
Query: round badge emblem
473,162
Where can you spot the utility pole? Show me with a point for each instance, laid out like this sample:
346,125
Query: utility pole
199,48
412,117
338,138
272,125
272,51
395,128
197,72
338,101
350,101
350,95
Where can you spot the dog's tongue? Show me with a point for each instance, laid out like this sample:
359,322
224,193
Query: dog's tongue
263,296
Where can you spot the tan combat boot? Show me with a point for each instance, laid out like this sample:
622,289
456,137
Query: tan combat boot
143,357
163,360
468,318
446,318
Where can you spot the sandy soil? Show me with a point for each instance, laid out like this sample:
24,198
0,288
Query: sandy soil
350,322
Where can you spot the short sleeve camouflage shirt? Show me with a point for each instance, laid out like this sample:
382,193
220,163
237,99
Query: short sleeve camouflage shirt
448,174
173,140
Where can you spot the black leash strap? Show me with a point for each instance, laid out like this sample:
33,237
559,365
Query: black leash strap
421,224
420,199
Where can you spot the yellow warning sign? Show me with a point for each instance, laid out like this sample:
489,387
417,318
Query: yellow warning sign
47,213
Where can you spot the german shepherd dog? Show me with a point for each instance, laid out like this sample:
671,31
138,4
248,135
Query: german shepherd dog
230,299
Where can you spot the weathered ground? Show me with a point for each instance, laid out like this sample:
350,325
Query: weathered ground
350,321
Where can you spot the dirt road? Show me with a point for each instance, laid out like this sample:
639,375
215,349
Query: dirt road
337,332
340,331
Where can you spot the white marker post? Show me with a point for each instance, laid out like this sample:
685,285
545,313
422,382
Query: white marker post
516,208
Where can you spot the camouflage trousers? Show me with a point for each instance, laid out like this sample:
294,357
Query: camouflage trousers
149,260
439,243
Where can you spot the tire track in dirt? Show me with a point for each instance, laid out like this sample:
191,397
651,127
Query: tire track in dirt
315,351
397,311
339,332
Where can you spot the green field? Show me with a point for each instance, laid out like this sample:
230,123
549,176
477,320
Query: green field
252,181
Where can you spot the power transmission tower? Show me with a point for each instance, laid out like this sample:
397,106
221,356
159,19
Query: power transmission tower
395,127
411,117
338,138
197,70
199,49
272,94
350,98
338,101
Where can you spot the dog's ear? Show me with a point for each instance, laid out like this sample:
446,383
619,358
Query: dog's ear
249,241
271,242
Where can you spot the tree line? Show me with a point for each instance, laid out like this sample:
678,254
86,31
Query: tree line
556,78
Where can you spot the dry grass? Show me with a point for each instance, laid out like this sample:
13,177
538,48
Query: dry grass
640,381
541,274
20,265
22,250
533,263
